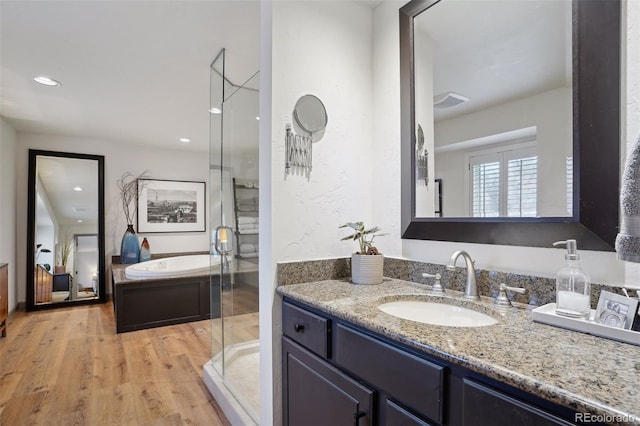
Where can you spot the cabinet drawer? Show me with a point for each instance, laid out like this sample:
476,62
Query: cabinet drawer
416,382
484,405
308,329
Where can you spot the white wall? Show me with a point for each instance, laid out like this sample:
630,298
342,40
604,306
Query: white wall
423,51
325,49
322,48
549,112
8,140
119,158
386,126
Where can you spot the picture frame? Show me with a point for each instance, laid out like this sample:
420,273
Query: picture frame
171,206
615,310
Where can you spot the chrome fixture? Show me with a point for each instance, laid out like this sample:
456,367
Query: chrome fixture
437,287
502,300
297,151
223,244
471,289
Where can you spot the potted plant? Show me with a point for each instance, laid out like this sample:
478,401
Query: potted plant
367,263
130,188
65,252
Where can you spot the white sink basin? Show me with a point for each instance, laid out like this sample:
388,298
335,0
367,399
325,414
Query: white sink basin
437,313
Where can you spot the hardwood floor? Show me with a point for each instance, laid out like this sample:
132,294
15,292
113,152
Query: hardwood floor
68,367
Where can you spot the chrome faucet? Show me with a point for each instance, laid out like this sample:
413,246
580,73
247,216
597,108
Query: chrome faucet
471,289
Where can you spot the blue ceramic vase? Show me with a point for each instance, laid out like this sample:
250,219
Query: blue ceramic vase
129,249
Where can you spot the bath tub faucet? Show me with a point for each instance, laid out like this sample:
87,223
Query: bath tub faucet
471,289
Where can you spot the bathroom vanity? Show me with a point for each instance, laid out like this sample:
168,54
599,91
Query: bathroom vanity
347,362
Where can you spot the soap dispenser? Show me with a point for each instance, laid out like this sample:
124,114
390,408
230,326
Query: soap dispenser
573,285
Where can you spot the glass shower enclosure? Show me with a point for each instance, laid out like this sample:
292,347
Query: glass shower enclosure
232,374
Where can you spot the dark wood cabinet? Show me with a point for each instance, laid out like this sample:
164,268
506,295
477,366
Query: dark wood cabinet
417,383
4,298
482,404
334,370
398,416
316,393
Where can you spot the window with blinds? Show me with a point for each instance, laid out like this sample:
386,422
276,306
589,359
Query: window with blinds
485,196
569,175
504,183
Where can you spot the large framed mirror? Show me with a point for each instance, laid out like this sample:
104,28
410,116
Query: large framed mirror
510,116
65,235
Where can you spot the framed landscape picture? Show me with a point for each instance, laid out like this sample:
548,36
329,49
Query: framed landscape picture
171,206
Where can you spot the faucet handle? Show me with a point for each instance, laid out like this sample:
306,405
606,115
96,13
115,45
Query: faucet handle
437,287
502,300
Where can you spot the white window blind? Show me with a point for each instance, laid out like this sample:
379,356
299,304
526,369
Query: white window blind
522,187
569,171
504,183
486,189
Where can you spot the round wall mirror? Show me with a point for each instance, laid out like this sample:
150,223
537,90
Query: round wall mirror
310,114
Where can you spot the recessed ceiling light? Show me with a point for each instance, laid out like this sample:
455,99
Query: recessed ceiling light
46,81
185,140
257,117
77,188
215,110
79,220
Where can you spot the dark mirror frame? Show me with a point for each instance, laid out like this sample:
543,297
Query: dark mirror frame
596,143
102,297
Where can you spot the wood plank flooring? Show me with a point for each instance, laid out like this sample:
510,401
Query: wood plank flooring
68,367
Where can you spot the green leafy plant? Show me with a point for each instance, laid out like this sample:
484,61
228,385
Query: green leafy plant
363,236
39,250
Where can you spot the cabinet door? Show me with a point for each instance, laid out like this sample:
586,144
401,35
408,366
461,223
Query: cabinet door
315,393
398,416
484,405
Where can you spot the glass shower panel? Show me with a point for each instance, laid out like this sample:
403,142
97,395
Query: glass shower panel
234,224
216,96
240,119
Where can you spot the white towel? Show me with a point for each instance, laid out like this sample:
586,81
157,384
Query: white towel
247,248
243,220
247,201
247,229
628,239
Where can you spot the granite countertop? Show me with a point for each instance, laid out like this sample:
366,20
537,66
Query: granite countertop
586,373
237,266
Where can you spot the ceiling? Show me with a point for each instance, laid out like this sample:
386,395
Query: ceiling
58,177
131,71
494,52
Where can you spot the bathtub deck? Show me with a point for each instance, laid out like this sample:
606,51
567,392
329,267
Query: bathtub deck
156,302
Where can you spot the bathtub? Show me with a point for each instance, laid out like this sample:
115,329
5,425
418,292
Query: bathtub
173,266
167,291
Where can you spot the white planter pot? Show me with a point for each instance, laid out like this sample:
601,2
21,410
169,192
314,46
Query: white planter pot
366,269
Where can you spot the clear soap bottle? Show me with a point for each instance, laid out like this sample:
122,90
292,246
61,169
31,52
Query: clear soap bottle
573,285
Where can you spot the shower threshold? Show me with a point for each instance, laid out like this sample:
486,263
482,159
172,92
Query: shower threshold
239,394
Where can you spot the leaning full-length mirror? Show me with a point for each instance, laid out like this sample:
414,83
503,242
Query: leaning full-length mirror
65,229
510,121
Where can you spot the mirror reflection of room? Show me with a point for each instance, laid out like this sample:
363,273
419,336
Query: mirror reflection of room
66,230
494,109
